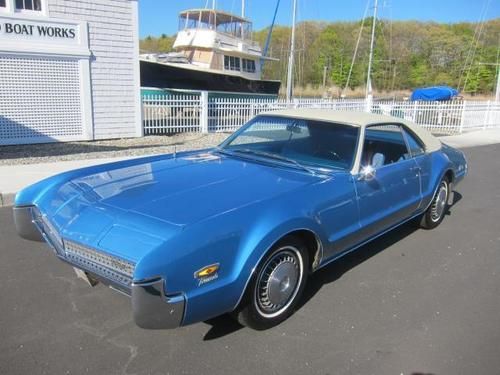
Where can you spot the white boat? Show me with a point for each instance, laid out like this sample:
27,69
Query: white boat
214,51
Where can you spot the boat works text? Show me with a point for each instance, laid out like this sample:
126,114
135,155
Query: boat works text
37,30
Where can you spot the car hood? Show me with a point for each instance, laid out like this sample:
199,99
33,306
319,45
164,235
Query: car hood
184,190
129,208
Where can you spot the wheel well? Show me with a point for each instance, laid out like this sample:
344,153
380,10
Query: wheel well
449,175
313,245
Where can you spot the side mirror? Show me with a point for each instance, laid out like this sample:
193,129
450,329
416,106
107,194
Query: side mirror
367,173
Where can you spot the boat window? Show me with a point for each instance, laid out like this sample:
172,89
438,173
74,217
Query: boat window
235,28
27,4
248,65
231,63
232,28
192,23
209,19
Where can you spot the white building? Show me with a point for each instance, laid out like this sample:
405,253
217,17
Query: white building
69,70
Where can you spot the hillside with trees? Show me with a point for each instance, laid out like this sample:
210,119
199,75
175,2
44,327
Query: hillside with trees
408,54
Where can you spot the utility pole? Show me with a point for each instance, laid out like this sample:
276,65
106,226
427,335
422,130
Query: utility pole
289,83
369,93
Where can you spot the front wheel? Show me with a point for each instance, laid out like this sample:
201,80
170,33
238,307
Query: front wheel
436,211
277,286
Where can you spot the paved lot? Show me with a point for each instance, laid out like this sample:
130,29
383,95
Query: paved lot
413,302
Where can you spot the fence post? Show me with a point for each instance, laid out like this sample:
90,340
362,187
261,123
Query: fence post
369,104
204,112
487,119
462,119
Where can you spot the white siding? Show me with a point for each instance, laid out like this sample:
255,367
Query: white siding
114,66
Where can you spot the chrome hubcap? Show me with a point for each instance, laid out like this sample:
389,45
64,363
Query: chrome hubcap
439,204
278,282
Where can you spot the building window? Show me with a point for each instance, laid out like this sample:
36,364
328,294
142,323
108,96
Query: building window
35,5
232,63
2,3
248,65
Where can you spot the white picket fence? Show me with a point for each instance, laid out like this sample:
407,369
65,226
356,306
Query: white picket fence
199,113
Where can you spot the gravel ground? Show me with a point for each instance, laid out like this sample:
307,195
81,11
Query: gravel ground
54,152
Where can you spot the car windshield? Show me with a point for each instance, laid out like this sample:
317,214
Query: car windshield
302,143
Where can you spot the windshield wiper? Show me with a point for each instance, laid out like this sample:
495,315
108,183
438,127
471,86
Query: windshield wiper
271,155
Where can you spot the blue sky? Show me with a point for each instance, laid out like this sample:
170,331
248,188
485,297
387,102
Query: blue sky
160,16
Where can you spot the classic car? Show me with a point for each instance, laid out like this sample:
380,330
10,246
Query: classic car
239,228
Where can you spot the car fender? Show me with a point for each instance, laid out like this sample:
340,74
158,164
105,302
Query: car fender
225,295
237,256
255,250
436,167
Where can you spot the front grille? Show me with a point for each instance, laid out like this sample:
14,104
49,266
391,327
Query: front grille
116,270
109,267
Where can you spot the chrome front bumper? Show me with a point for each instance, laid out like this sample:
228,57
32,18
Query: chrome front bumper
23,218
152,308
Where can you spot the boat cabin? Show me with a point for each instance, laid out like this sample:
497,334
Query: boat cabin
210,19
216,40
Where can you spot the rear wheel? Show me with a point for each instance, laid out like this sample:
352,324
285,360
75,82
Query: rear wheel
277,286
436,211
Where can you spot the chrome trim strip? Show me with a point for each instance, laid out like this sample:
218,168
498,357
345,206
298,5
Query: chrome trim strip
343,253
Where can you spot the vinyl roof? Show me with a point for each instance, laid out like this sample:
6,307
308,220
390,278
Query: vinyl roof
359,119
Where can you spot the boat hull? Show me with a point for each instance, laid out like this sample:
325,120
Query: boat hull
160,75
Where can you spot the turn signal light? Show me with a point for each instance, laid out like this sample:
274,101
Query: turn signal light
206,271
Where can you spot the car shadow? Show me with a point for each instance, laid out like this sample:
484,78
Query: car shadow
339,267
221,326
225,325
457,197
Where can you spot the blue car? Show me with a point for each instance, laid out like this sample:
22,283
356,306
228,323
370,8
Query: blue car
240,227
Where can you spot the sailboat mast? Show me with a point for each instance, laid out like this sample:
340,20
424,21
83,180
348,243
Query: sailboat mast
291,61
369,93
213,4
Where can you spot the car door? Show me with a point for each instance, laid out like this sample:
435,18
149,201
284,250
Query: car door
391,193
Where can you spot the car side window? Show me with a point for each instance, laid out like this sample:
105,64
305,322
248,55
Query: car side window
384,145
416,147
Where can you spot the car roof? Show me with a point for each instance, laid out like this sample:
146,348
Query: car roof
359,119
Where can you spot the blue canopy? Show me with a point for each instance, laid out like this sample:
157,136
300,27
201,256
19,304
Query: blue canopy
434,93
